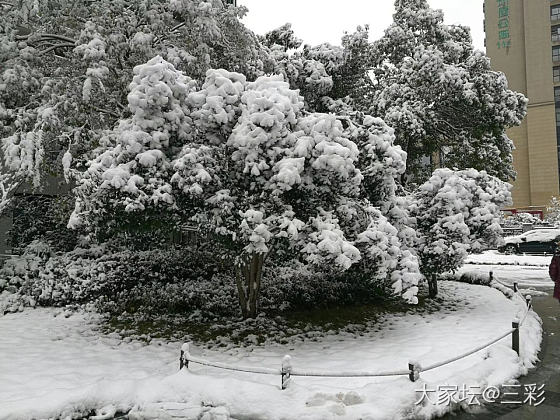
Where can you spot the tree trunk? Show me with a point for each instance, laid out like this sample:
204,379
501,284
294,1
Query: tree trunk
432,286
248,280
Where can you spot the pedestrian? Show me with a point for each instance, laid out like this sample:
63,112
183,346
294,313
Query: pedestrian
554,271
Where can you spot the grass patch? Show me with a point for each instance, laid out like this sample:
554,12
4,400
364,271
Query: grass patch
272,328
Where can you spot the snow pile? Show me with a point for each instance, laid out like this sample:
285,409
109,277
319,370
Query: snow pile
82,370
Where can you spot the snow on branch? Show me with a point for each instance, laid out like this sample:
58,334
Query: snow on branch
9,183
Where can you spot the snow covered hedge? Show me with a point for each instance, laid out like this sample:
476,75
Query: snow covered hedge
519,219
100,275
168,282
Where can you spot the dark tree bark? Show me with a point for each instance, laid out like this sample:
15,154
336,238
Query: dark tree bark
432,285
248,280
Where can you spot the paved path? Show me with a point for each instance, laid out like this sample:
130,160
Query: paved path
547,372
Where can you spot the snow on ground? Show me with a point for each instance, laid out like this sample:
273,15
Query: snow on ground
52,365
496,258
529,271
524,276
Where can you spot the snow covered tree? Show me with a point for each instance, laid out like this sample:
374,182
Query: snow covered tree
135,158
283,37
553,212
65,68
440,95
456,212
445,103
303,71
254,172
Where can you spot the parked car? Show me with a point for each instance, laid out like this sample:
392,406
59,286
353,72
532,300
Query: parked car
539,241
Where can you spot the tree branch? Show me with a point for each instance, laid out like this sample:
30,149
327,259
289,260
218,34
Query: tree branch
54,47
8,186
56,36
180,25
106,111
45,37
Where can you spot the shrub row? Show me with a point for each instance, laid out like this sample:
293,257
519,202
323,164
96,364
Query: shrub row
171,281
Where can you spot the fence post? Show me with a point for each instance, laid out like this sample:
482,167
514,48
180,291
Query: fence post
286,370
515,336
184,361
515,288
414,371
529,301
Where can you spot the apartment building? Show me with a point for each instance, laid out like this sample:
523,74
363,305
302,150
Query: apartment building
523,41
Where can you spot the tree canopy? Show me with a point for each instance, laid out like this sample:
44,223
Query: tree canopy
441,96
65,67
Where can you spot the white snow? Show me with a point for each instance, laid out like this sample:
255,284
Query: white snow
494,257
538,235
524,276
57,365
526,270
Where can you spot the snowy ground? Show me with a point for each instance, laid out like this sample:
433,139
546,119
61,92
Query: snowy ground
496,258
52,365
527,270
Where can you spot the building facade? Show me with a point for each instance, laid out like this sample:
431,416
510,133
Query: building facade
523,41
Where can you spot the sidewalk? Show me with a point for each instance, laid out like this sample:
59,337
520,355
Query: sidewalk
547,372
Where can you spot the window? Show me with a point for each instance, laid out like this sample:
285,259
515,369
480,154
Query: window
556,74
555,12
555,33
556,53
557,95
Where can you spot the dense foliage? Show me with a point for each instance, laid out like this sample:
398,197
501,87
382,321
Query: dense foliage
41,217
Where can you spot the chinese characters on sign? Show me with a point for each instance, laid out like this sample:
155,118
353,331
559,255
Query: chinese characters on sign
530,394
504,36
